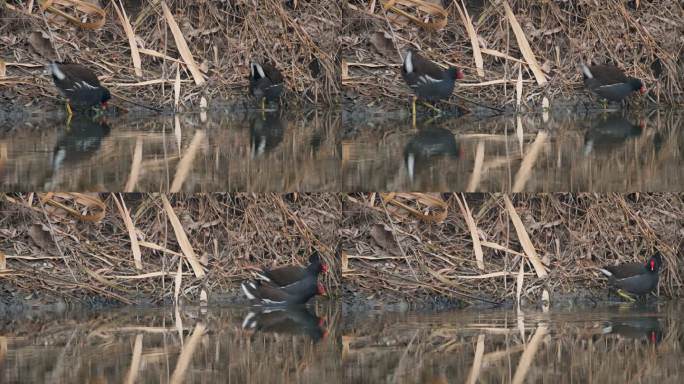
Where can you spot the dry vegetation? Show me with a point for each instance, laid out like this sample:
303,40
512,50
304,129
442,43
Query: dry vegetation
131,247
645,40
560,240
145,63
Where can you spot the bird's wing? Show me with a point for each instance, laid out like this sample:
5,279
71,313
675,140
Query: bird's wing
626,270
608,74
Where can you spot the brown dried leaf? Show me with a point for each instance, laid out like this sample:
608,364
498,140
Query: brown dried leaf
382,43
385,239
183,48
42,238
42,46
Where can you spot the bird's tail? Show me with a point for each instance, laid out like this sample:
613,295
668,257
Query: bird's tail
605,272
586,72
54,70
248,288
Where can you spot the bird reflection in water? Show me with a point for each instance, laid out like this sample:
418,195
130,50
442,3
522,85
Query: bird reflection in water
266,131
610,131
639,328
427,145
80,141
293,320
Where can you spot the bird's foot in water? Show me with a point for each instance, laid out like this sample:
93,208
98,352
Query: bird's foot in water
626,295
439,111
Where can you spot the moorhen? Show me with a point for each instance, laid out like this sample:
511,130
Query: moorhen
295,320
264,293
610,132
80,142
428,144
79,85
266,132
265,83
290,274
635,278
609,82
636,328
428,80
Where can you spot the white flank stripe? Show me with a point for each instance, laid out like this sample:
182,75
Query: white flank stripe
267,301
608,86
262,277
428,80
86,85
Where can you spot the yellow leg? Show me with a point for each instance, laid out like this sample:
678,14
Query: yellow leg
413,111
70,113
263,103
432,107
626,295
604,103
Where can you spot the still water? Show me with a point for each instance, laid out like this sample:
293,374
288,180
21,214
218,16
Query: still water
219,345
321,151
614,344
602,344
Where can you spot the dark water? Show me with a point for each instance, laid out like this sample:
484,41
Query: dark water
616,344
160,346
603,344
316,151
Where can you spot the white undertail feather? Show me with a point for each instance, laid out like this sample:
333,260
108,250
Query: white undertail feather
246,291
605,272
247,320
256,67
58,159
410,165
54,69
408,62
586,71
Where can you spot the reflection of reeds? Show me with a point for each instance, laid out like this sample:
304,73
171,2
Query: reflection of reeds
551,160
142,155
139,346
563,346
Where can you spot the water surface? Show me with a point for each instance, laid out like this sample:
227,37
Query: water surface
601,344
604,151
216,345
315,151
605,344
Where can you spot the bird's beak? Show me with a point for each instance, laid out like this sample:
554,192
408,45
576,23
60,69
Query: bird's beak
642,90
